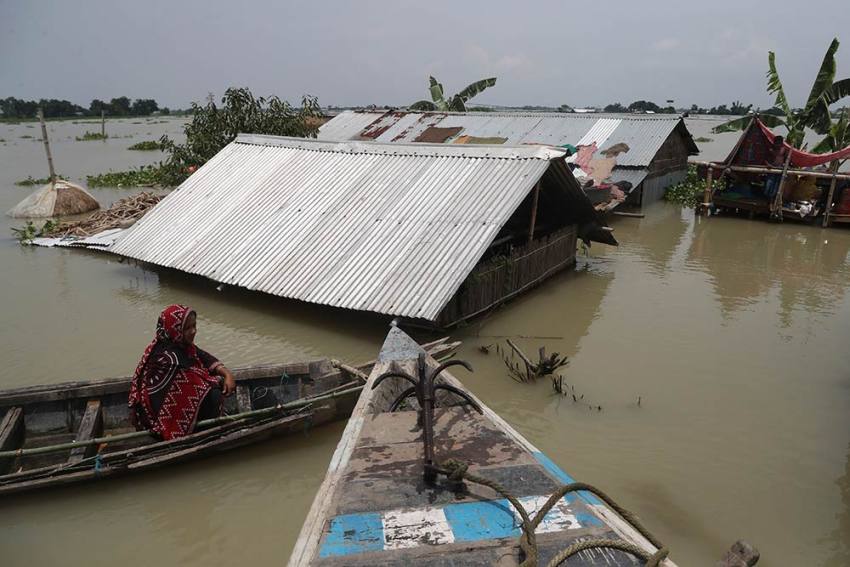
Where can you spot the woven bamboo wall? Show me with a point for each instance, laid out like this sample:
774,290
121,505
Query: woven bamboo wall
499,278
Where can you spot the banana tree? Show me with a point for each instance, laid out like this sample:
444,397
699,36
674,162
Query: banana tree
815,115
455,103
838,136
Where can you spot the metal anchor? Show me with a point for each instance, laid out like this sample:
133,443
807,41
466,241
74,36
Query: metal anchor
425,391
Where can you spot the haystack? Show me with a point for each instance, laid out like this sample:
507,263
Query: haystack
56,199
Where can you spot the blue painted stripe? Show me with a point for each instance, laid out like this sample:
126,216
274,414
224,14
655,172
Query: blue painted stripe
353,533
563,477
473,521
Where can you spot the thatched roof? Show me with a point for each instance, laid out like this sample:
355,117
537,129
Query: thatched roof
56,199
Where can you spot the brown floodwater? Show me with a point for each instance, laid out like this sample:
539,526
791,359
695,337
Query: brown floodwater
733,334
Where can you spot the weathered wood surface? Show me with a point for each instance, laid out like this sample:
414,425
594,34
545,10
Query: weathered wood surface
375,508
11,434
91,426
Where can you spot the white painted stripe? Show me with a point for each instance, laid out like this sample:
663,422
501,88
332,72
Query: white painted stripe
414,528
557,519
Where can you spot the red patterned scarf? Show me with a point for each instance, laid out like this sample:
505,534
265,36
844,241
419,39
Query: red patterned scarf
167,391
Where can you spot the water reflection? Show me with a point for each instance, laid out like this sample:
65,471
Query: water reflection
654,238
839,538
746,261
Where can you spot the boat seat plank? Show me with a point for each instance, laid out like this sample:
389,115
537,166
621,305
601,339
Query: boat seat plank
243,398
11,434
91,426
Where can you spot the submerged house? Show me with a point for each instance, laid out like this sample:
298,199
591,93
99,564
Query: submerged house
808,187
640,155
428,232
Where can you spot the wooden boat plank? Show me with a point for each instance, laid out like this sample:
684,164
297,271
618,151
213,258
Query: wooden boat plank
91,426
243,398
408,522
11,434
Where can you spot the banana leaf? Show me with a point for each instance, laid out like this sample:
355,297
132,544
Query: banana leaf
837,138
475,88
774,85
437,94
816,112
838,90
425,105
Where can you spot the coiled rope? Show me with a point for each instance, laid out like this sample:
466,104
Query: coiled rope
457,471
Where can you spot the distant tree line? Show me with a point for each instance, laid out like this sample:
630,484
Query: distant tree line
12,107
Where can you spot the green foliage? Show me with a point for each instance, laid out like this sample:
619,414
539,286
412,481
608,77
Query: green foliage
13,108
144,107
147,145
455,103
29,231
815,115
25,137
703,140
145,176
30,181
688,192
616,108
91,136
212,127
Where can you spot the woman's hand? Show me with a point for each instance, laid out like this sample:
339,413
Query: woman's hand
228,386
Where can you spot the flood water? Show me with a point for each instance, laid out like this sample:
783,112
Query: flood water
732,334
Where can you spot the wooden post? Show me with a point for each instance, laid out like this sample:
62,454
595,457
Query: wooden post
102,123
777,201
834,167
706,197
534,212
46,145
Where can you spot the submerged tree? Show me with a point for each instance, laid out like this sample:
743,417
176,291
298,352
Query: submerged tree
456,102
213,127
815,115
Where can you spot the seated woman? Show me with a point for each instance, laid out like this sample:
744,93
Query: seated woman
177,384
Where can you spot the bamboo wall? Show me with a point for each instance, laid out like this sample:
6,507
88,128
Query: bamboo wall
501,277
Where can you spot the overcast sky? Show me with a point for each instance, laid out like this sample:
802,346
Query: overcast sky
381,52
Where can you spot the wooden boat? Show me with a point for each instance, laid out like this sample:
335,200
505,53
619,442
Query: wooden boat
77,431
386,499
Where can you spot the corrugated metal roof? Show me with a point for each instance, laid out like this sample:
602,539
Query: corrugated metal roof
643,134
390,228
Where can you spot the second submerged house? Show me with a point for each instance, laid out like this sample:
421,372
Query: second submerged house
433,233
631,157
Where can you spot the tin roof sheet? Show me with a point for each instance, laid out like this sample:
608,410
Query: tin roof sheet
390,228
644,134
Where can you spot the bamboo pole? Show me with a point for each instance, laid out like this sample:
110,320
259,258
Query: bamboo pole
706,196
777,201
828,208
102,123
46,145
534,212
756,169
296,404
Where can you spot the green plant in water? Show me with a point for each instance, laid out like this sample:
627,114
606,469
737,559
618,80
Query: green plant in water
145,176
29,231
686,193
147,145
30,181
26,137
703,140
91,136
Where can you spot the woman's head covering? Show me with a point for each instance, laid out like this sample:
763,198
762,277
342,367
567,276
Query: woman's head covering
169,326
